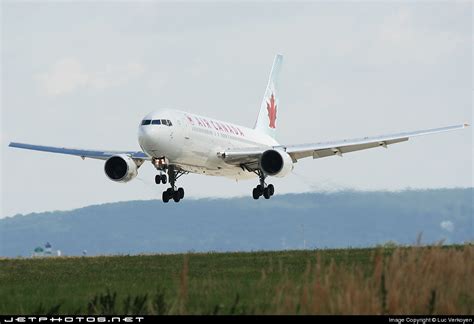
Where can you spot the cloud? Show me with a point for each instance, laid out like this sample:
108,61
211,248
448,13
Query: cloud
68,75
65,76
398,28
447,225
404,40
113,76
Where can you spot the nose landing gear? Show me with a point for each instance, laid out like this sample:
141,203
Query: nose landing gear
161,178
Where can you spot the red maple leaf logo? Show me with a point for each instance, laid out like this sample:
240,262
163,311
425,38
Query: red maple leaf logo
272,111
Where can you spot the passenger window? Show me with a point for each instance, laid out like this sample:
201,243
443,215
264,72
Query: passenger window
156,122
146,122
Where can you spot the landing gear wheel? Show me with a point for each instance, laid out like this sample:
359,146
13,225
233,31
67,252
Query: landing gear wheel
158,179
165,196
181,193
163,178
256,193
176,196
262,189
266,193
271,189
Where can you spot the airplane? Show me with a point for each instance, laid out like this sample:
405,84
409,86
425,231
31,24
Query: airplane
178,142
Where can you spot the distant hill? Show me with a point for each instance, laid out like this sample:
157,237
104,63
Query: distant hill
343,219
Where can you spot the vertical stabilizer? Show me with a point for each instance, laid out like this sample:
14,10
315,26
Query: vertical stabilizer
267,117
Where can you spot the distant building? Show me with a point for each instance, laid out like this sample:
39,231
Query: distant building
38,251
47,251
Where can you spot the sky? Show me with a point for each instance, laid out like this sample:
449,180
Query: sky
83,74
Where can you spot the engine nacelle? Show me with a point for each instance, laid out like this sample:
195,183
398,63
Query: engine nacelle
120,168
276,163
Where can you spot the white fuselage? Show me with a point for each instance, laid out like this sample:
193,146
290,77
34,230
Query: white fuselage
192,142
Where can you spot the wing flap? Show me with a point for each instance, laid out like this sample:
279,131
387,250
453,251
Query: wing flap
339,150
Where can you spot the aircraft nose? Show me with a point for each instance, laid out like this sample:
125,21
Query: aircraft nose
147,138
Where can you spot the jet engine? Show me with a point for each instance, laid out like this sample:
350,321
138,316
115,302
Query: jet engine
121,168
276,163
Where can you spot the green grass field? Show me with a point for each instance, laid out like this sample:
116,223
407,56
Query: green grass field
419,280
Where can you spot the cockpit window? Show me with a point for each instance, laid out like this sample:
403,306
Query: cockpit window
165,122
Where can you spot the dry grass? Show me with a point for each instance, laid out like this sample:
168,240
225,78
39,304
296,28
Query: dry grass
430,280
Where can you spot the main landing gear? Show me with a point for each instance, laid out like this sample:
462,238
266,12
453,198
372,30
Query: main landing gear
262,189
171,193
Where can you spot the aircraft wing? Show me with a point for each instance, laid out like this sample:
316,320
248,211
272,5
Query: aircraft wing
248,158
320,150
92,154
